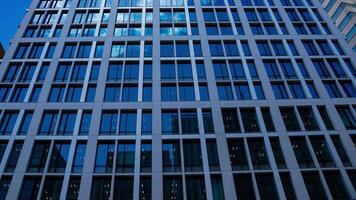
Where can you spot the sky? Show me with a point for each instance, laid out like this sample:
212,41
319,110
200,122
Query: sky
11,14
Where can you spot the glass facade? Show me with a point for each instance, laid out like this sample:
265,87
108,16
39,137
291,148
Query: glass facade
196,99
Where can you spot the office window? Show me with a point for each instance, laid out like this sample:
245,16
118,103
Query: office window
195,186
108,124
78,161
48,124
249,120
125,157
244,187
204,92
66,124
231,122
208,122
171,156
186,93
347,117
127,123
69,50
266,186
39,157
85,123
277,152
131,72
172,187
112,93
225,92
73,188
13,157
101,188
321,150
279,90
115,72
8,121
237,70
36,51
231,49
340,150
336,185
220,71
59,158
216,49
129,93
258,154
237,154
290,119
104,158
213,157
189,121
325,117
314,186
182,49
288,186
3,145
52,188
242,91
146,124
30,188
4,186
19,94
184,71
267,118
308,118
145,188
192,156
146,157
170,122
348,88
301,152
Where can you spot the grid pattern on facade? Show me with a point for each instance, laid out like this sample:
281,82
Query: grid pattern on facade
132,99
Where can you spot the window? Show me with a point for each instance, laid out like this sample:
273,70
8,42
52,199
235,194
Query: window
85,123
108,124
112,93
48,124
78,161
220,71
14,157
321,150
4,186
101,188
213,157
195,188
73,188
171,156
347,117
30,188
314,186
258,154
123,188
249,120
59,158
231,122
131,72
225,92
216,49
125,157
308,119
170,123
336,185
69,50
266,186
277,152
242,91
146,157
267,118
237,154
67,122
244,187
127,123
279,90
8,122
186,93
129,93
287,185
301,152
146,124
325,117
340,150
208,122
115,72
39,157
172,187
290,119
104,158
189,121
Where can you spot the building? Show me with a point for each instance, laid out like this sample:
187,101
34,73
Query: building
343,13
223,99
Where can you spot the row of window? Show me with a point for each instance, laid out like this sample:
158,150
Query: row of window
119,156
174,121
123,186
